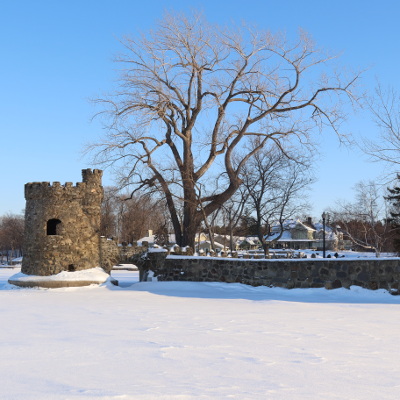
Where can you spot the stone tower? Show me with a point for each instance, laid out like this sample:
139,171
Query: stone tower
62,224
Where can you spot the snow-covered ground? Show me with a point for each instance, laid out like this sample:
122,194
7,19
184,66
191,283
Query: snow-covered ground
183,340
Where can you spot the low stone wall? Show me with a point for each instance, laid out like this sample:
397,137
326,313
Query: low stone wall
300,273
111,253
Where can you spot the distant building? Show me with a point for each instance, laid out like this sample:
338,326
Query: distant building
249,243
298,234
151,239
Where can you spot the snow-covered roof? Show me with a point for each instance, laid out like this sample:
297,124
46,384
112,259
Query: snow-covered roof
207,242
251,240
290,225
151,239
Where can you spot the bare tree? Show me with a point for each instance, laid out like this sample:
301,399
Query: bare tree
11,234
127,218
233,211
227,216
385,108
365,221
108,226
193,98
137,215
276,182
393,198
161,235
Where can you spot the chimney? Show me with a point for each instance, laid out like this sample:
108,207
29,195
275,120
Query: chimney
150,232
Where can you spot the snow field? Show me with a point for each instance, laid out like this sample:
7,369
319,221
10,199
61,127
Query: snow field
183,340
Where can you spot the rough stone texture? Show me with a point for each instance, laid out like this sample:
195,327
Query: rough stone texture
62,224
128,252
110,254
303,273
113,254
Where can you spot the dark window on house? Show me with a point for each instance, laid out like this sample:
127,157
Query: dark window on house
53,226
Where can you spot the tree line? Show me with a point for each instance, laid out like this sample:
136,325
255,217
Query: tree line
268,196
371,222
11,236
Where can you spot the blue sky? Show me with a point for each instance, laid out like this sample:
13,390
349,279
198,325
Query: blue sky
57,55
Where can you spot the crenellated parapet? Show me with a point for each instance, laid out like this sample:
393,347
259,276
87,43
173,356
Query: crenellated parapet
89,187
38,190
92,177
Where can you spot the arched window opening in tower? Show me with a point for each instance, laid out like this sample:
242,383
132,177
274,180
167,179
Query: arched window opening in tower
53,226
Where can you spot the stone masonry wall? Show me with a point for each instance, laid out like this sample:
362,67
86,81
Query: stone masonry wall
62,225
302,273
109,254
113,254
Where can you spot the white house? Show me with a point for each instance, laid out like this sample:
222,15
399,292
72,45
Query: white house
303,235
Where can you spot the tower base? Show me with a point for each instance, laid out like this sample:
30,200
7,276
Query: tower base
93,276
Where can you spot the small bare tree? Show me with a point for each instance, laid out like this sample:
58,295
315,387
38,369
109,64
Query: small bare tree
233,211
385,108
193,98
275,182
128,218
138,215
393,198
364,222
108,225
11,234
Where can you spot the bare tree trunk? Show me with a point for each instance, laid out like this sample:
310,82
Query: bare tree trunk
210,234
189,235
230,235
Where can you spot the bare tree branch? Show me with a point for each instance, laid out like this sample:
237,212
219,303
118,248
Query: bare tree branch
196,99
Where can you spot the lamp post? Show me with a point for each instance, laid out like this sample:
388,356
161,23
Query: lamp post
323,237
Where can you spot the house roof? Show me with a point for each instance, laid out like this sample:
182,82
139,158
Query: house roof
207,242
290,225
